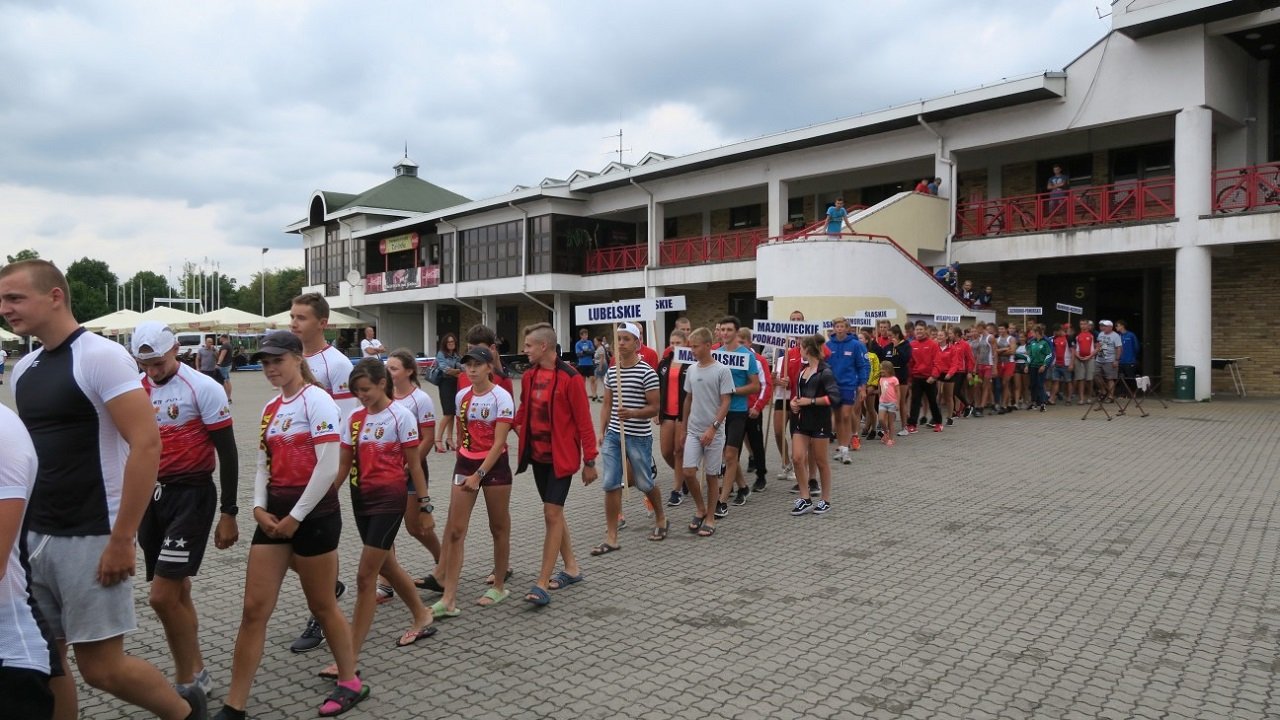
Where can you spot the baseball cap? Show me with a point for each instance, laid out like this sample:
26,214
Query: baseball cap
1105,322
630,327
479,353
153,335
278,342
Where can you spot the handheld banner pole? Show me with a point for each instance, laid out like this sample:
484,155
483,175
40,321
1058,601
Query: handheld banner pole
622,425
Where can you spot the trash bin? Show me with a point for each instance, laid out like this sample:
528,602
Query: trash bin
1184,383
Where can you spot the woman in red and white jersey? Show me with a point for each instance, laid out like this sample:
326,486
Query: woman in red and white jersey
419,519
296,507
485,415
379,443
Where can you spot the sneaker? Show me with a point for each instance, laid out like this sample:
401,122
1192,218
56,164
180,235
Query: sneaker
911,430
855,446
813,489
722,510
880,434
1041,407
785,473
310,639
741,498
821,507
950,422
977,413
675,499
622,523
196,699
904,433
844,458
385,594
937,427
795,489
759,486
202,680
801,506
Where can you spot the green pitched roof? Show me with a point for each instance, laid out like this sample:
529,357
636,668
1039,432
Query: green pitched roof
399,193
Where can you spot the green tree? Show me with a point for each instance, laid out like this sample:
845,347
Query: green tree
27,254
144,287
93,288
212,289
282,287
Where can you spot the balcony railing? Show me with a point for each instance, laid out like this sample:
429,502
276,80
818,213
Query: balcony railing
617,259
725,247
1117,203
1248,188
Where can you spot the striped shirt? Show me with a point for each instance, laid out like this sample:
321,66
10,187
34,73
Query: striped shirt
636,381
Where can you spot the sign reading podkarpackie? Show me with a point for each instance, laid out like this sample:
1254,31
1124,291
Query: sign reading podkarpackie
615,312
773,341
1025,311
734,360
784,328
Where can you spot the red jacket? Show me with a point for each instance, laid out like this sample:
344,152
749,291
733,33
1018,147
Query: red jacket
573,436
970,363
926,359
762,400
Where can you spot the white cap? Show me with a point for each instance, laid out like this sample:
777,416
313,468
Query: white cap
154,335
1104,322
629,327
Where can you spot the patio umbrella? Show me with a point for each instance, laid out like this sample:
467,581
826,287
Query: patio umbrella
229,319
114,323
337,320
6,336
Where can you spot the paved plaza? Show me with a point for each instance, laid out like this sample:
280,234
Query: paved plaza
1025,566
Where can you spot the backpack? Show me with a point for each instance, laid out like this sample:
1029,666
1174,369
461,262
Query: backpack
435,374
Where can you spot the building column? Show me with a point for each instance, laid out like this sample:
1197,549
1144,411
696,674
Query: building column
489,311
429,333
562,320
706,223
657,226
778,201
656,331
1193,272
942,169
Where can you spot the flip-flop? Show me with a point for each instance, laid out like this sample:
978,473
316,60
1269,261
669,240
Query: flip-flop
494,596
537,596
563,579
414,636
660,533
438,611
489,580
605,549
428,582
696,525
706,531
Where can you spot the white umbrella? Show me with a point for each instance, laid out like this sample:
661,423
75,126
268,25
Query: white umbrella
114,323
337,320
229,319
6,336
176,319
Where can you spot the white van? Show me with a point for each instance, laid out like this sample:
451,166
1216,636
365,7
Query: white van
189,344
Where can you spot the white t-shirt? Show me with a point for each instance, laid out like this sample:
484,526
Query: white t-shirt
366,344
21,644
333,370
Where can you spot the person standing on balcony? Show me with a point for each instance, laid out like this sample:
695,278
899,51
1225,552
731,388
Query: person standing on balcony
1058,184
837,218
922,187
933,186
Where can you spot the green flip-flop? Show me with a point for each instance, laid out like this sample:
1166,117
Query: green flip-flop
439,611
494,596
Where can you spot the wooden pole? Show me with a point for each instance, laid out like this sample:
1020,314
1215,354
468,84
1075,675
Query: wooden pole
617,393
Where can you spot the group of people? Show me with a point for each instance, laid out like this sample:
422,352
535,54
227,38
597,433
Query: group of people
970,295
101,454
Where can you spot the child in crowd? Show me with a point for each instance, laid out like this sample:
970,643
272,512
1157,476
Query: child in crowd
888,401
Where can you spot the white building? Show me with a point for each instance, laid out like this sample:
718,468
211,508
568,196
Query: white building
1167,127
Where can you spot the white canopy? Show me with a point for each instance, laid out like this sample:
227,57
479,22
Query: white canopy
177,320
120,321
6,336
337,320
229,319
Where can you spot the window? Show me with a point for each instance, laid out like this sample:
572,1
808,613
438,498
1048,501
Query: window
670,228
1079,168
446,257
795,210
540,245
490,252
746,216
747,307
1142,162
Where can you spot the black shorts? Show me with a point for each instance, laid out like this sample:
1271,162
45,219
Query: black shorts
317,535
175,528
499,474
26,693
379,531
735,428
587,371
781,405
663,417
553,490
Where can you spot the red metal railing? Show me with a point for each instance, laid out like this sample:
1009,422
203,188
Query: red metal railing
1246,188
1122,202
725,247
617,259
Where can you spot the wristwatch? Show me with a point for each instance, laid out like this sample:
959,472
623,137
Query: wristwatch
589,463
718,424
424,504
480,473
230,510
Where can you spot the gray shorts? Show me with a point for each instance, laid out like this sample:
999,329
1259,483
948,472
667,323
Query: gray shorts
890,408
65,588
709,458
1109,371
1083,369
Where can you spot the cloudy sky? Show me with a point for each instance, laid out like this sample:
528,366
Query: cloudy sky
150,133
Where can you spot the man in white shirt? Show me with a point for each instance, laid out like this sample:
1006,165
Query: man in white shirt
370,346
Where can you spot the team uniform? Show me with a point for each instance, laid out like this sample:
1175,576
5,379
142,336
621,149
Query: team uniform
636,381
174,530
333,370
420,407
26,656
377,442
478,418
291,430
61,397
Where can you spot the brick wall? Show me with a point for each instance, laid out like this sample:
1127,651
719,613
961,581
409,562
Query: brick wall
1018,179
719,221
689,225
1101,167
970,183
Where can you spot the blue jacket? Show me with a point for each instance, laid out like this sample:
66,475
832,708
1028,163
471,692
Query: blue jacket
1129,353
848,361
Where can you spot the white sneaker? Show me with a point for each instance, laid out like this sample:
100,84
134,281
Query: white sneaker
844,458
203,680
785,473
903,433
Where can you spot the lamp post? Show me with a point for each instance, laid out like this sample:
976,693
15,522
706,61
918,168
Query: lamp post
262,280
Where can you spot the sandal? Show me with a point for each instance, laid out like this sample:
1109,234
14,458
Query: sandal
438,611
494,596
563,579
605,548
537,596
412,636
342,699
660,533
706,531
696,525
490,580
428,582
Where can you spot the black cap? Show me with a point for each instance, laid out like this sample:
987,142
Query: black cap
480,354
278,343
